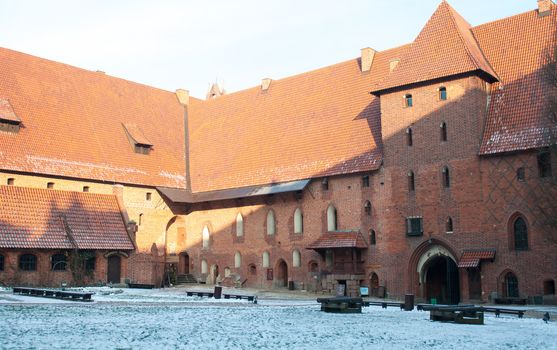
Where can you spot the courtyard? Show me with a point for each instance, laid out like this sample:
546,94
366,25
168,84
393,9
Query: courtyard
134,319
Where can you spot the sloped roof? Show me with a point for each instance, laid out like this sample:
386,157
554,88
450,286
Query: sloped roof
34,218
472,258
319,123
444,47
73,124
518,115
331,240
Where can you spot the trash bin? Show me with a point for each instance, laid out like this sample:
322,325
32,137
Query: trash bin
217,292
409,302
434,301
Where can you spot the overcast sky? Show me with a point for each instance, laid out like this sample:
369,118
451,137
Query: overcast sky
190,44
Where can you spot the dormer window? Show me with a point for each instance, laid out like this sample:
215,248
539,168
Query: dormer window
408,102
9,121
442,93
137,138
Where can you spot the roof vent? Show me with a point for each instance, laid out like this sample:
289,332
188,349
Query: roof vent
215,91
9,121
544,7
265,83
183,96
136,137
367,58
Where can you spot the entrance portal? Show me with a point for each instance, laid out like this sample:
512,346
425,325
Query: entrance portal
281,277
442,280
114,268
184,264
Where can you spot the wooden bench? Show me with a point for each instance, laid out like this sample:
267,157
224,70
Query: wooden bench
140,286
251,298
200,294
467,314
76,296
499,311
341,304
383,304
53,293
508,301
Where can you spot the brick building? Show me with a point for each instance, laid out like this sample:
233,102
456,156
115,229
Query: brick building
421,169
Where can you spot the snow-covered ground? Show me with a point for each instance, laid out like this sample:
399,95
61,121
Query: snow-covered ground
157,319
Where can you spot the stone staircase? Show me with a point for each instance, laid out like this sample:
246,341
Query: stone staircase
186,278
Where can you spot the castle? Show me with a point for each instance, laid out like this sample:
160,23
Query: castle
423,169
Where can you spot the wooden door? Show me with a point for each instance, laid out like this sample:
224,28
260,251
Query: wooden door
114,269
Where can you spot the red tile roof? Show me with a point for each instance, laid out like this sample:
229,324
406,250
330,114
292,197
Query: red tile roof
339,240
472,258
73,120
518,111
319,123
444,47
34,218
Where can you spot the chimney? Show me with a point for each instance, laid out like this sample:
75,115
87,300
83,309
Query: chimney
265,83
367,58
544,7
183,96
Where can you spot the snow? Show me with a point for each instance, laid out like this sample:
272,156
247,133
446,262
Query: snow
127,318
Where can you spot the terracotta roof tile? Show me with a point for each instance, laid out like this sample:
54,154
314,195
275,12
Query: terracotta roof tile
73,124
518,111
444,47
34,218
472,258
339,240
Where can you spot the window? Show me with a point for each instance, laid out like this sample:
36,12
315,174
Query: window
365,181
252,269
266,259
446,177
372,237
411,181
85,188
204,266
331,219
227,271
205,235
58,262
325,184
1,262
520,174
367,208
414,226
544,163
511,286
90,264
520,231
28,262
549,287
408,102
271,227
140,219
50,185
237,260
142,149
443,130
239,225
298,221
10,181
148,196
296,258
442,93
329,257
409,140
449,225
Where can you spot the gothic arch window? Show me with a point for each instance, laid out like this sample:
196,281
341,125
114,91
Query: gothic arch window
411,181
510,285
204,266
271,225
266,259
296,258
442,93
449,225
331,218
372,237
239,225
520,234
367,208
58,262
206,237
446,177
443,131
298,221
237,260
409,137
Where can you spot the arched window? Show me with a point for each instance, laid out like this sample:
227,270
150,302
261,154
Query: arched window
408,102
227,271
372,238
446,177
298,221
520,231
442,93
237,260
409,139
1,262
411,181
28,262
449,225
58,262
266,259
511,286
271,226
205,237
239,225
367,208
331,219
204,266
296,258
443,130
252,269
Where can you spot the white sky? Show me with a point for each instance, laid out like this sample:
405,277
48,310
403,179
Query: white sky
190,44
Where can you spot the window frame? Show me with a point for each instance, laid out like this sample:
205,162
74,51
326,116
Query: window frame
409,137
521,174
28,265
411,223
411,181
446,176
544,164
520,238
442,90
443,132
408,101
58,262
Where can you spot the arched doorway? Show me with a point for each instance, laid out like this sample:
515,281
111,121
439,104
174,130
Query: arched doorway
113,270
184,263
281,277
441,280
374,285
